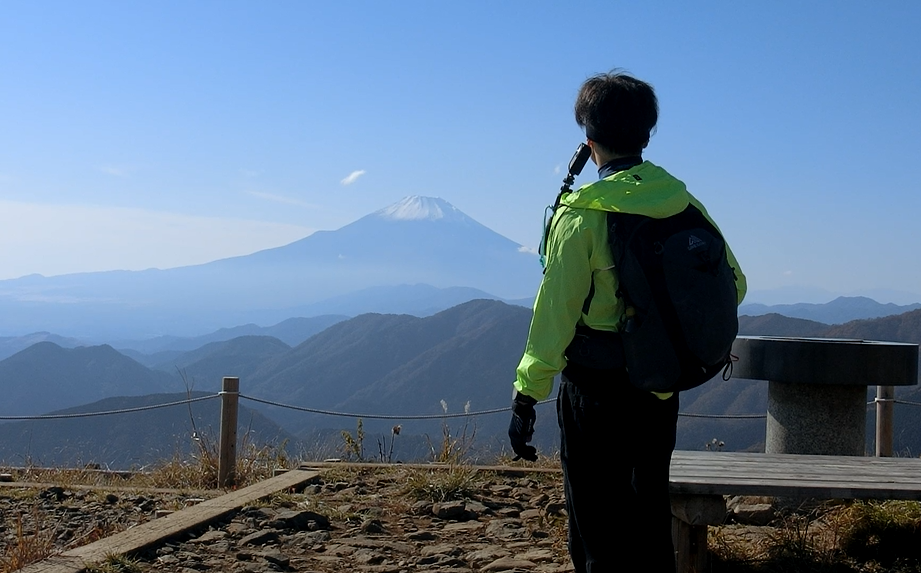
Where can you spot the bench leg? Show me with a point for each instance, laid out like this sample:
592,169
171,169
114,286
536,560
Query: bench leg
690,546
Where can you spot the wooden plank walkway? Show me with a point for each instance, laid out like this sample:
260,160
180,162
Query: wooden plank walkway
788,475
515,470
149,533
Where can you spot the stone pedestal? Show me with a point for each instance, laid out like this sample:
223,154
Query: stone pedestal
812,419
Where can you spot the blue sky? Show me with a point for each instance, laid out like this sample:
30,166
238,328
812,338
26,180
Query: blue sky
159,134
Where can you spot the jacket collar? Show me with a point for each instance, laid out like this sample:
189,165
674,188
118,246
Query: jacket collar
619,164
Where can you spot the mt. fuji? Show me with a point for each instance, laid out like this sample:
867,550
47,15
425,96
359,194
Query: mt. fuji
416,240
414,207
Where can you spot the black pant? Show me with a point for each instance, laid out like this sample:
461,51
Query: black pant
617,443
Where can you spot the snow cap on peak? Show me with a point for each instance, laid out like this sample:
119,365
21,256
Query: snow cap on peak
415,207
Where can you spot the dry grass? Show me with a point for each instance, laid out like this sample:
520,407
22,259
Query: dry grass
856,537
31,542
116,564
254,463
200,472
887,533
66,477
453,483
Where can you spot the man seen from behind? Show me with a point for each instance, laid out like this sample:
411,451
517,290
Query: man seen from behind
616,439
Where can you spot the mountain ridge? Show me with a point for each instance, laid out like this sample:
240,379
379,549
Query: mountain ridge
444,248
406,365
839,311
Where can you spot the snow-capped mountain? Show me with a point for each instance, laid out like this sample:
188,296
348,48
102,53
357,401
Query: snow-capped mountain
418,240
414,208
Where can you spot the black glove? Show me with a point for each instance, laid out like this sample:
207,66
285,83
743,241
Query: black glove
521,428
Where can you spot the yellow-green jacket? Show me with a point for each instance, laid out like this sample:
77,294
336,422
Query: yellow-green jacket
577,253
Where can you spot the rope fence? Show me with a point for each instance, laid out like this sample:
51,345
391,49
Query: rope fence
323,412
230,396
110,412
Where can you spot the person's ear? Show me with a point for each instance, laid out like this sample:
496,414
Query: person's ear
591,145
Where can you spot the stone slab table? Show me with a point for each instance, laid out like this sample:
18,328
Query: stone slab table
817,388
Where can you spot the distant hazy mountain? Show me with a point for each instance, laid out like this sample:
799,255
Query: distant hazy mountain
718,396
905,327
842,309
10,345
400,364
239,357
136,439
292,332
798,294
46,377
774,324
418,240
417,300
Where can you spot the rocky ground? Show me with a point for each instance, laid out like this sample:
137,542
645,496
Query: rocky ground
377,521
400,519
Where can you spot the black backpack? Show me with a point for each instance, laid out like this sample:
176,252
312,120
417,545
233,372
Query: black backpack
680,296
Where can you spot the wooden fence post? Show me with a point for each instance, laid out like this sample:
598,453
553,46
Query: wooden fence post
227,455
884,397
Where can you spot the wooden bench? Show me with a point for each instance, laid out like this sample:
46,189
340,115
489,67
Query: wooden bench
699,480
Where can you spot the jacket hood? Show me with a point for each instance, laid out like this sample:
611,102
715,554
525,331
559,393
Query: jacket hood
643,190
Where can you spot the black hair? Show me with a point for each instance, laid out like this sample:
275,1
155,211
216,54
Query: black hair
617,111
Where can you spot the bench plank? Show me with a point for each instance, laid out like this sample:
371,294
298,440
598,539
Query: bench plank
789,475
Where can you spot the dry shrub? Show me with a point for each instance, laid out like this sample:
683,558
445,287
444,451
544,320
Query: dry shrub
452,483
882,532
254,463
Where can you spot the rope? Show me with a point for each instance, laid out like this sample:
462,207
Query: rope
893,401
365,416
109,412
464,415
382,416
725,416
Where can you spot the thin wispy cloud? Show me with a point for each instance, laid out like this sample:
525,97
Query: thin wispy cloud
353,177
280,199
556,170
531,250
